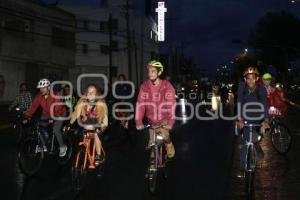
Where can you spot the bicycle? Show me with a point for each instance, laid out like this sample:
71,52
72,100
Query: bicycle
84,159
280,134
251,156
32,150
157,164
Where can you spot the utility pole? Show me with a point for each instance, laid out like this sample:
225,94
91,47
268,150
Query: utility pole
110,47
142,51
136,59
127,16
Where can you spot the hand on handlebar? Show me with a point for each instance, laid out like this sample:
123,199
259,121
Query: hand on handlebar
25,120
67,127
240,124
140,127
264,126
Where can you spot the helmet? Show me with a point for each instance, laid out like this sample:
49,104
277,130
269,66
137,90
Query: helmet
267,76
251,70
43,83
156,64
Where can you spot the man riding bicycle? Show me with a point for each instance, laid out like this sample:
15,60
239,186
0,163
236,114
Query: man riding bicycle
157,101
44,100
252,99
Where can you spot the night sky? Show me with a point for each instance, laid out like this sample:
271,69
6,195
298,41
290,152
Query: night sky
207,27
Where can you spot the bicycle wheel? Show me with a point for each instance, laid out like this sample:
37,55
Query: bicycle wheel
18,130
281,138
64,160
153,181
153,174
78,171
250,169
31,155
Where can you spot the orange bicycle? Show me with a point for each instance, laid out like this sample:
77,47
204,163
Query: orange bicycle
84,159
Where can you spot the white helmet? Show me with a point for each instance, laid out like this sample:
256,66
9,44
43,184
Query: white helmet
43,83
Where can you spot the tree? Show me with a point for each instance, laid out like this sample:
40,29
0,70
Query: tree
277,39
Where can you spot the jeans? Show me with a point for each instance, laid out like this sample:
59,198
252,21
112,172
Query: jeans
57,127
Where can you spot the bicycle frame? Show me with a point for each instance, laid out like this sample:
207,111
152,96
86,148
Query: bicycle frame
250,144
89,157
157,148
158,156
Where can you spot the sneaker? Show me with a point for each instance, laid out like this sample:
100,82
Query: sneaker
45,149
63,151
99,159
38,149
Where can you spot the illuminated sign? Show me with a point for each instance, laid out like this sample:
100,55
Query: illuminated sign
161,10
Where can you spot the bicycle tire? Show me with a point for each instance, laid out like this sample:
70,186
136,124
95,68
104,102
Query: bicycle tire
18,130
250,169
27,149
79,173
277,138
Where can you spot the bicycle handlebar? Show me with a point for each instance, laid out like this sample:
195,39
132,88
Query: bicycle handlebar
149,126
252,125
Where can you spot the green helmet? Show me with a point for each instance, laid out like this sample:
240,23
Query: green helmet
267,76
156,64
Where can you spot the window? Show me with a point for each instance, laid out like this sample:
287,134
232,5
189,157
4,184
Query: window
103,3
104,25
63,38
85,49
115,46
85,24
115,25
17,27
104,49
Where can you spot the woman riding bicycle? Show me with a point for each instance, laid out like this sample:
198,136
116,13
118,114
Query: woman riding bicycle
91,112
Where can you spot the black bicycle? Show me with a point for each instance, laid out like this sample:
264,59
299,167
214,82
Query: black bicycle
280,134
157,164
41,141
251,155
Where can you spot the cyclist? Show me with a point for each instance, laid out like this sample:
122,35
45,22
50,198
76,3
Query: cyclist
250,92
23,99
92,113
275,94
47,102
157,101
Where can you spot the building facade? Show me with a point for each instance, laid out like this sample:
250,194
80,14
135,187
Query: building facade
36,41
105,26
